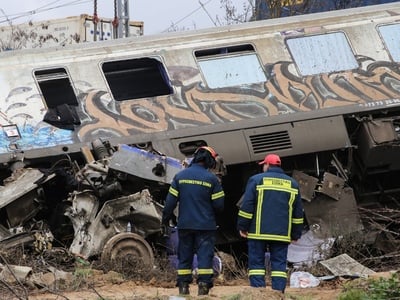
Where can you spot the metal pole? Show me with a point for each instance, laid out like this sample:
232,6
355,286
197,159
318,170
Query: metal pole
123,16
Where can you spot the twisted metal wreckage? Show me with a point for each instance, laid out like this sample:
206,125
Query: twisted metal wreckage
110,203
112,208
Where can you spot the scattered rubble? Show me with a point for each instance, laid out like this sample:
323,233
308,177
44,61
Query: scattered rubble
108,209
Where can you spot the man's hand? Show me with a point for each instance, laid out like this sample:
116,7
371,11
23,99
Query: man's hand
243,233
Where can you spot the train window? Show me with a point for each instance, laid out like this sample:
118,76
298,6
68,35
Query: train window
322,53
230,66
391,37
136,78
56,88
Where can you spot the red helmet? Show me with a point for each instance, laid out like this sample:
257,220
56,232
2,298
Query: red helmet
210,150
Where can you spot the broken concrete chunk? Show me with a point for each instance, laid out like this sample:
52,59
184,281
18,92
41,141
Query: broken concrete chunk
344,265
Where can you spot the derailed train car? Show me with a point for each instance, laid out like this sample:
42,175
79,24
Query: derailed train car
108,123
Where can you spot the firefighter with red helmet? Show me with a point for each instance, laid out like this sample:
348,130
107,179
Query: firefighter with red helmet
199,196
270,215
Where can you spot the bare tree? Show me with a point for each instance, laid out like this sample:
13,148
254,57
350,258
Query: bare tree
14,37
235,15
268,9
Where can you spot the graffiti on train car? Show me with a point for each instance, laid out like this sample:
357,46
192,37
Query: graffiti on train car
377,84
285,92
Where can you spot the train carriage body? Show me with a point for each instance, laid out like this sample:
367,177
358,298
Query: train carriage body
319,90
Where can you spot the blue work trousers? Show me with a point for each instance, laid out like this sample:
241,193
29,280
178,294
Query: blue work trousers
200,242
278,257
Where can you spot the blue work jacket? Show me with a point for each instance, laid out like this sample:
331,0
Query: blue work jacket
271,208
200,196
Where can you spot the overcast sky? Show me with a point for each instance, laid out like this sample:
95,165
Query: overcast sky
158,15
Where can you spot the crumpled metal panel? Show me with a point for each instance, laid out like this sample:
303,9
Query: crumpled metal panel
83,209
92,230
332,186
23,183
20,194
307,184
145,164
330,217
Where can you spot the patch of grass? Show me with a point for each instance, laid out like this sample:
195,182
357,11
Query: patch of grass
374,289
353,294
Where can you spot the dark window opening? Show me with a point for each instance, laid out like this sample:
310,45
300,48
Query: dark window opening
60,98
136,78
56,87
224,50
188,148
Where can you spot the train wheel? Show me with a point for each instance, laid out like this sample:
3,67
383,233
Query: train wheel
128,246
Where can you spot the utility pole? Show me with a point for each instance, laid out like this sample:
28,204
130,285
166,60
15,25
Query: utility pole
123,17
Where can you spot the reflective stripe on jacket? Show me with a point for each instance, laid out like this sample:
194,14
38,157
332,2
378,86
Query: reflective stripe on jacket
200,196
271,208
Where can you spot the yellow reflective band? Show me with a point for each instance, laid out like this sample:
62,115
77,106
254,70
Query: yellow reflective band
217,195
278,182
245,214
278,274
253,272
270,237
297,221
184,272
173,191
259,210
291,201
198,182
276,188
205,271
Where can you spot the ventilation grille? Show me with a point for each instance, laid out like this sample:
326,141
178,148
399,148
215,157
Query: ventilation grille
262,143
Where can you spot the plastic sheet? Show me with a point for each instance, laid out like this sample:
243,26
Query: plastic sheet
303,280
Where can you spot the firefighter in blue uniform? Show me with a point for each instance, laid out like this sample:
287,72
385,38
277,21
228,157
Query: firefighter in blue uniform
270,215
200,196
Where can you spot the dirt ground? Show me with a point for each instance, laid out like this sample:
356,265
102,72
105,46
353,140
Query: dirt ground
75,279
84,281
130,290
239,290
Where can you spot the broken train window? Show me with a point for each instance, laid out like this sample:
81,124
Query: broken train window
391,37
136,78
59,95
230,66
323,53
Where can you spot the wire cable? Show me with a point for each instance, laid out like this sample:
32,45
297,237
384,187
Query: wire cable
10,18
187,16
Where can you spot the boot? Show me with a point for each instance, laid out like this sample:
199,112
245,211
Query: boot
203,288
183,288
